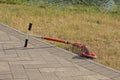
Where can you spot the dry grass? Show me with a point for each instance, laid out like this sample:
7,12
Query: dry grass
101,32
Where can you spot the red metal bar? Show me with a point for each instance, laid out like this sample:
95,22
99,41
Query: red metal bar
64,41
52,39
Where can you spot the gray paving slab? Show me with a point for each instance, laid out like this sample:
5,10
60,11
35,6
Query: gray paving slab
34,74
49,76
4,68
21,79
6,77
42,61
18,71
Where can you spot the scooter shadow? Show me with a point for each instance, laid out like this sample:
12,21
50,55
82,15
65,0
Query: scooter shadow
79,57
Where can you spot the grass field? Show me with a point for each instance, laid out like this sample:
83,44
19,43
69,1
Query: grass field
99,30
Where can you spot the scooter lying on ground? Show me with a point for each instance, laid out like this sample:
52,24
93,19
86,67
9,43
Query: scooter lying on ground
84,50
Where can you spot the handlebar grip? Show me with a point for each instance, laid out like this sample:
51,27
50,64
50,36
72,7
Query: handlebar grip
30,26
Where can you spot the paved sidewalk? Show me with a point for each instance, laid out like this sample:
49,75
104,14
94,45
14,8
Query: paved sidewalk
41,61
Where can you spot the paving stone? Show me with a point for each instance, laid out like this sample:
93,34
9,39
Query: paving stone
9,43
103,71
6,77
80,68
21,79
52,65
66,78
80,61
27,62
62,69
65,74
63,54
88,78
13,38
4,37
1,47
92,67
14,60
11,55
98,77
23,54
64,62
18,45
50,59
116,78
36,66
34,74
83,78
2,32
74,73
85,63
36,56
67,69
7,46
37,51
4,68
52,50
112,75
31,66
49,76
18,71
10,51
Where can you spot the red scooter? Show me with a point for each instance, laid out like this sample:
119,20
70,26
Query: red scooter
84,50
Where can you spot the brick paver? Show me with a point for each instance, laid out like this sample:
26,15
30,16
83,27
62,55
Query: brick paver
42,61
